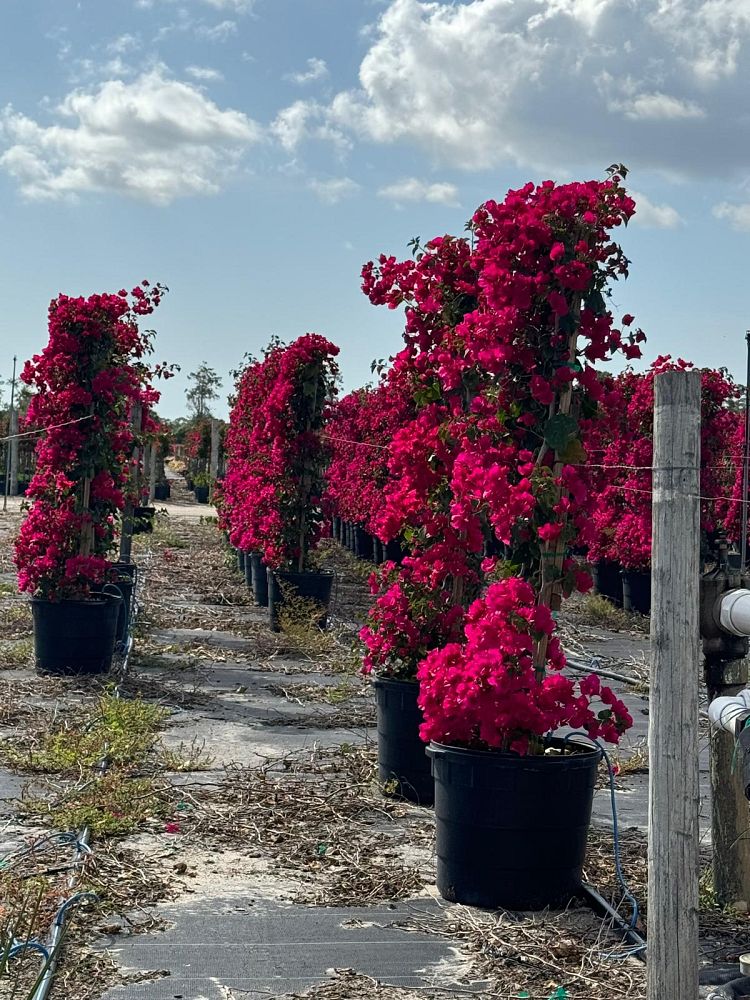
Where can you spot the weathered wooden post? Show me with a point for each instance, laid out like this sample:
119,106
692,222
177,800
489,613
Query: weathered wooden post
673,852
11,441
126,536
214,466
14,448
152,449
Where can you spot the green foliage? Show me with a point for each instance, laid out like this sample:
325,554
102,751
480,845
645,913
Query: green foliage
111,805
16,653
117,731
559,431
299,620
204,389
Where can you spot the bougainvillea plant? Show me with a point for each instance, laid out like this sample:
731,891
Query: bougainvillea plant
88,379
359,432
488,481
621,441
272,492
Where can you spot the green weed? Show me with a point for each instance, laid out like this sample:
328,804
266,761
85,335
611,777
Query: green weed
114,804
15,653
117,731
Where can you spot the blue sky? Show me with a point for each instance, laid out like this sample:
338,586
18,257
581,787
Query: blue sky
252,154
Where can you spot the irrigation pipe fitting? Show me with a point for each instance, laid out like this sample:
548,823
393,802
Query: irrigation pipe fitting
729,712
732,611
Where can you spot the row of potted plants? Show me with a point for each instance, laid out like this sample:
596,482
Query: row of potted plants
269,502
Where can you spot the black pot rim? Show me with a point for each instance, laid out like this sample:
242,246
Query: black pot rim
380,680
585,751
305,572
86,602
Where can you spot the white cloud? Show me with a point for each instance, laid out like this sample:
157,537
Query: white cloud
332,191
122,44
412,189
239,6
306,120
156,139
653,216
555,84
236,6
661,107
218,32
204,73
738,216
317,69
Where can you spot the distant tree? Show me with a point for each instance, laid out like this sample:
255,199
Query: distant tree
204,390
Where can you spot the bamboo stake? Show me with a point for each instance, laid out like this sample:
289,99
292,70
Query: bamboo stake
553,557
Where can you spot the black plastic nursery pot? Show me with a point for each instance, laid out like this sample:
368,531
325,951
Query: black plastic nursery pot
125,584
162,491
636,591
259,579
511,830
394,551
404,768
377,551
336,528
73,638
143,520
607,578
240,561
363,544
201,494
248,571
313,590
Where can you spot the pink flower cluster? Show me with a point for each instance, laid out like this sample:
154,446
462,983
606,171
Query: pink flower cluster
271,495
360,429
87,381
485,690
620,441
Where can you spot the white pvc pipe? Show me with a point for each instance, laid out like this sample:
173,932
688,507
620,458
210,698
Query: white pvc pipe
734,612
728,711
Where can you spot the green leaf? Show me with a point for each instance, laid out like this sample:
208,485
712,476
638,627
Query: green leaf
573,452
559,430
595,301
428,394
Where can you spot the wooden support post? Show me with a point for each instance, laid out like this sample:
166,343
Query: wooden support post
213,469
151,471
673,853
126,536
14,443
730,817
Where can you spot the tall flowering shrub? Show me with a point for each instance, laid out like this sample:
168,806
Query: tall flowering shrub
248,495
359,432
272,492
503,336
730,510
88,379
621,440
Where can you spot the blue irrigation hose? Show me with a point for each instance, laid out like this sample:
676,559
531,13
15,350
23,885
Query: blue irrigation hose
23,946
627,894
73,901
